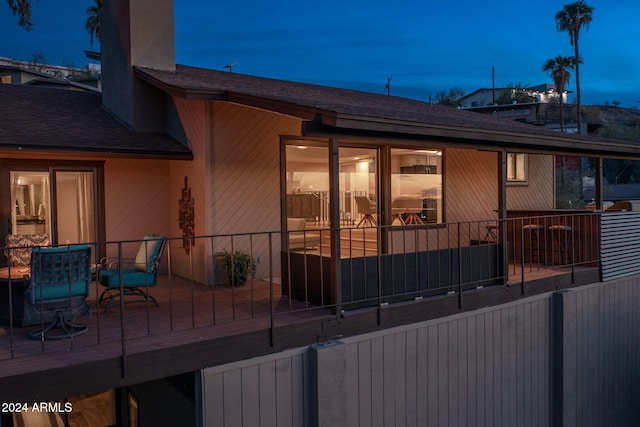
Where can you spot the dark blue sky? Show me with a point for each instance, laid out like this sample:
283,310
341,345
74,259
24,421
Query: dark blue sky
424,46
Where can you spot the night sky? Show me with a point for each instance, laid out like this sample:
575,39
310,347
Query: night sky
423,46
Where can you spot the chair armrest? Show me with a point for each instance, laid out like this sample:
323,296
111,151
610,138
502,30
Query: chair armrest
114,263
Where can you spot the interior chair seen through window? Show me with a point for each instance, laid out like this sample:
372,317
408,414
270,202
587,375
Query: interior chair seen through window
367,208
57,291
132,282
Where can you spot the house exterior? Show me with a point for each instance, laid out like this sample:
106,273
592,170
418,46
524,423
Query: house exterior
484,97
464,333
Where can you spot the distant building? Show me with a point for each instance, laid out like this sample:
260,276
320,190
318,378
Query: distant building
543,93
543,111
36,74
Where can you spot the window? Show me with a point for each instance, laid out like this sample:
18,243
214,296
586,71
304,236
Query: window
416,186
517,168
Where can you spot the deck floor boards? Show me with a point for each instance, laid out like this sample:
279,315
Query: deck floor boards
188,313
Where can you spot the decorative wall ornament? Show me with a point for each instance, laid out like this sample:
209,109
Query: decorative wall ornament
186,217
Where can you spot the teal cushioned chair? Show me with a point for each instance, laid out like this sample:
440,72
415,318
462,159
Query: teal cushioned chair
57,292
137,280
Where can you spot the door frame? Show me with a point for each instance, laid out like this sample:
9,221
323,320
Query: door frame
50,166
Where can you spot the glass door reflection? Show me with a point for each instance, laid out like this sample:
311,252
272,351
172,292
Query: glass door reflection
30,197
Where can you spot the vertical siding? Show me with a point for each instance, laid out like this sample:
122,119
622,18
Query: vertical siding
491,367
606,346
266,392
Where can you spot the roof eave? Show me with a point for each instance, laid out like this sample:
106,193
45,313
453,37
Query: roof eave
131,154
296,110
495,138
179,91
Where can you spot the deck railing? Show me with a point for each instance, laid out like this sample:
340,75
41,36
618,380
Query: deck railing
287,283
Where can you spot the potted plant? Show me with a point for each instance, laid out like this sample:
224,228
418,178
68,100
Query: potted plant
237,266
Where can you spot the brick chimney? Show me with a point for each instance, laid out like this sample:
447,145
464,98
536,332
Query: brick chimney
136,32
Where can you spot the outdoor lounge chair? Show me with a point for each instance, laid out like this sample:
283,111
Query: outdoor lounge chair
18,247
133,282
58,286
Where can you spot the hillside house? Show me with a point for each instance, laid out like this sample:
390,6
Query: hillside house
392,241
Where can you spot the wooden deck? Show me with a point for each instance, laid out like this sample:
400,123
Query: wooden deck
198,326
188,311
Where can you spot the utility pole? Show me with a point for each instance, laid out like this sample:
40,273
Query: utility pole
493,83
388,85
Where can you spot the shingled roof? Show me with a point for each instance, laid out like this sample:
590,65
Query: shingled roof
45,119
343,109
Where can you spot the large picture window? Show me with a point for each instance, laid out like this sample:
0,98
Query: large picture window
416,186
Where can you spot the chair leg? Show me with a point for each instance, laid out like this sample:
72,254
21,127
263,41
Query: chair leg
69,329
110,295
367,219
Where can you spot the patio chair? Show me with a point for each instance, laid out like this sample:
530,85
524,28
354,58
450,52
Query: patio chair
18,247
57,290
133,283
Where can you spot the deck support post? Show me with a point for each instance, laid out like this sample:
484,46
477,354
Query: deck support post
563,358
328,384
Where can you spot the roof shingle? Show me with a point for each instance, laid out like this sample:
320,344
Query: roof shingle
36,118
368,111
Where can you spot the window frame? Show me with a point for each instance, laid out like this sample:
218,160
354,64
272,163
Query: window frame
513,178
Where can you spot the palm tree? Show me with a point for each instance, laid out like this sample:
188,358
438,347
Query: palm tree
558,68
93,20
571,19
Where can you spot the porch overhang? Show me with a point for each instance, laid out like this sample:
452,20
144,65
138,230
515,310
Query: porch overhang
485,139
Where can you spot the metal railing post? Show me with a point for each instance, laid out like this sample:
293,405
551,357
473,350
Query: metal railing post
271,314
123,340
459,267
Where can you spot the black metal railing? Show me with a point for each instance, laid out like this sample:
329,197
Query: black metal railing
256,280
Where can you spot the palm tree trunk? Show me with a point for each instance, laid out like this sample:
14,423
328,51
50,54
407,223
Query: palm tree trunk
561,113
578,102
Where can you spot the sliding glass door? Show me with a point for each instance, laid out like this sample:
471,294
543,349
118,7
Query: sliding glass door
30,201
63,202
75,200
